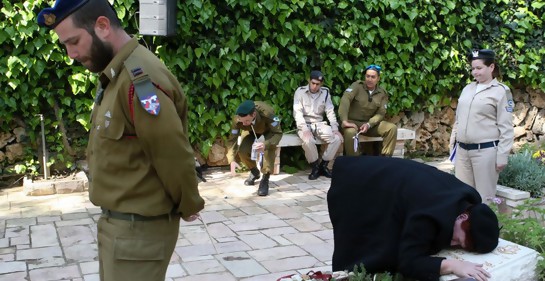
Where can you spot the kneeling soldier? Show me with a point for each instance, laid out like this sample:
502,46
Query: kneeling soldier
252,120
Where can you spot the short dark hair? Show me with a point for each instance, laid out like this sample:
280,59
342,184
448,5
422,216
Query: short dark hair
86,16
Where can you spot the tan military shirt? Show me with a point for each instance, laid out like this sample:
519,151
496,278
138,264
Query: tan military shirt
310,108
486,116
266,123
140,162
355,104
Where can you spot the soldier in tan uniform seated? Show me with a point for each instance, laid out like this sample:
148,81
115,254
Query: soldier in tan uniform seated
141,164
362,110
253,120
310,104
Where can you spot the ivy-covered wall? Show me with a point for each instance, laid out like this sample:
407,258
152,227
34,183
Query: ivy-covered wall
230,50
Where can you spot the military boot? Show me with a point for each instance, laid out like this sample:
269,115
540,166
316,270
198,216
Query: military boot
324,170
264,185
315,173
252,177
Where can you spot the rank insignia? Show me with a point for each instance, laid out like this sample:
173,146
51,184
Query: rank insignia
151,104
49,19
136,71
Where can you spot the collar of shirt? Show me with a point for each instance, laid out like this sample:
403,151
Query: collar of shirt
114,67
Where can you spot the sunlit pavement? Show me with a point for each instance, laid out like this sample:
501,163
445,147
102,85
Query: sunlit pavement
241,236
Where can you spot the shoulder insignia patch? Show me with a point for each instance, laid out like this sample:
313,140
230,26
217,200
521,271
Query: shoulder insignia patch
509,109
276,121
348,90
150,103
234,131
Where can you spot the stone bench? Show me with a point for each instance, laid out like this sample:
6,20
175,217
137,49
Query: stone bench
294,140
509,261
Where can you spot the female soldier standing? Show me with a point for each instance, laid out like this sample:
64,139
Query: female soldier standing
483,130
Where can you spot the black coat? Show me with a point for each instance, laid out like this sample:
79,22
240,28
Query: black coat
391,214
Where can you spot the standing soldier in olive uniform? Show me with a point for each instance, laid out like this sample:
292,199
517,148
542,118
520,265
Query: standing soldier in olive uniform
483,131
141,164
362,110
310,103
253,120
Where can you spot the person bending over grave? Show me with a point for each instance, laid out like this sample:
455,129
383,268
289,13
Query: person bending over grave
392,215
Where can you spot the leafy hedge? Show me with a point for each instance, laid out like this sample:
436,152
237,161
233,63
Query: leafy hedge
231,50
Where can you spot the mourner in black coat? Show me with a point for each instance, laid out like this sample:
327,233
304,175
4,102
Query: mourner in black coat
391,214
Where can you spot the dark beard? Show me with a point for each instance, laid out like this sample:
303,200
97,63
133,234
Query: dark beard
101,54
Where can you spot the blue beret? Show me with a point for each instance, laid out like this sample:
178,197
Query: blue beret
316,74
246,107
50,17
483,54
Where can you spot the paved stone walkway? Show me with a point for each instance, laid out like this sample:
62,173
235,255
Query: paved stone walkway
246,237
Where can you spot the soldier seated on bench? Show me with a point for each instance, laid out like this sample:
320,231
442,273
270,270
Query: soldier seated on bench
362,109
392,215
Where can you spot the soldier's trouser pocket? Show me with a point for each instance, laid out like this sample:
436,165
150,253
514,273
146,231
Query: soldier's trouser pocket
137,249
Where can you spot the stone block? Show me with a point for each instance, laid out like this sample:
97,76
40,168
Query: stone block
509,261
71,186
511,193
31,188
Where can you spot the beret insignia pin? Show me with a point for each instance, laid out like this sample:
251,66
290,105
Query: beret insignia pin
475,53
49,19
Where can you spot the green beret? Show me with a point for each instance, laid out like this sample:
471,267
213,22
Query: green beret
50,17
246,107
484,229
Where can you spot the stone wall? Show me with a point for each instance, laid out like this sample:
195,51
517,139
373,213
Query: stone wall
433,130
11,147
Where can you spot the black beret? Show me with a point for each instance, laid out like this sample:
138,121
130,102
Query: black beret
316,74
50,17
484,229
483,54
246,107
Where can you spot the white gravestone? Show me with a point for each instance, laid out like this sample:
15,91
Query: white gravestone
508,262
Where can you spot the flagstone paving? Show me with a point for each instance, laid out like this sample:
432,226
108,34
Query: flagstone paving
241,236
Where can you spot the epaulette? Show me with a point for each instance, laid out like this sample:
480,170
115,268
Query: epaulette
143,86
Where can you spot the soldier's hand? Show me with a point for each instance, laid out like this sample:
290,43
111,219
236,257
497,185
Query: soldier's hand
347,124
191,218
307,135
260,146
364,128
234,166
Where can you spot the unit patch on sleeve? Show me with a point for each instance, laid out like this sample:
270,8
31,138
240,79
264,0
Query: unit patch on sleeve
150,103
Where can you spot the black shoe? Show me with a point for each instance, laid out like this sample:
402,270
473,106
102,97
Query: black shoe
252,177
315,173
264,185
324,170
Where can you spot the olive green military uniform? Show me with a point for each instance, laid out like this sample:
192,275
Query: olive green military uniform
358,106
266,123
141,164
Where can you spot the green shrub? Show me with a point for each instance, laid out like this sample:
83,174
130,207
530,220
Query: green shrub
524,173
525,227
